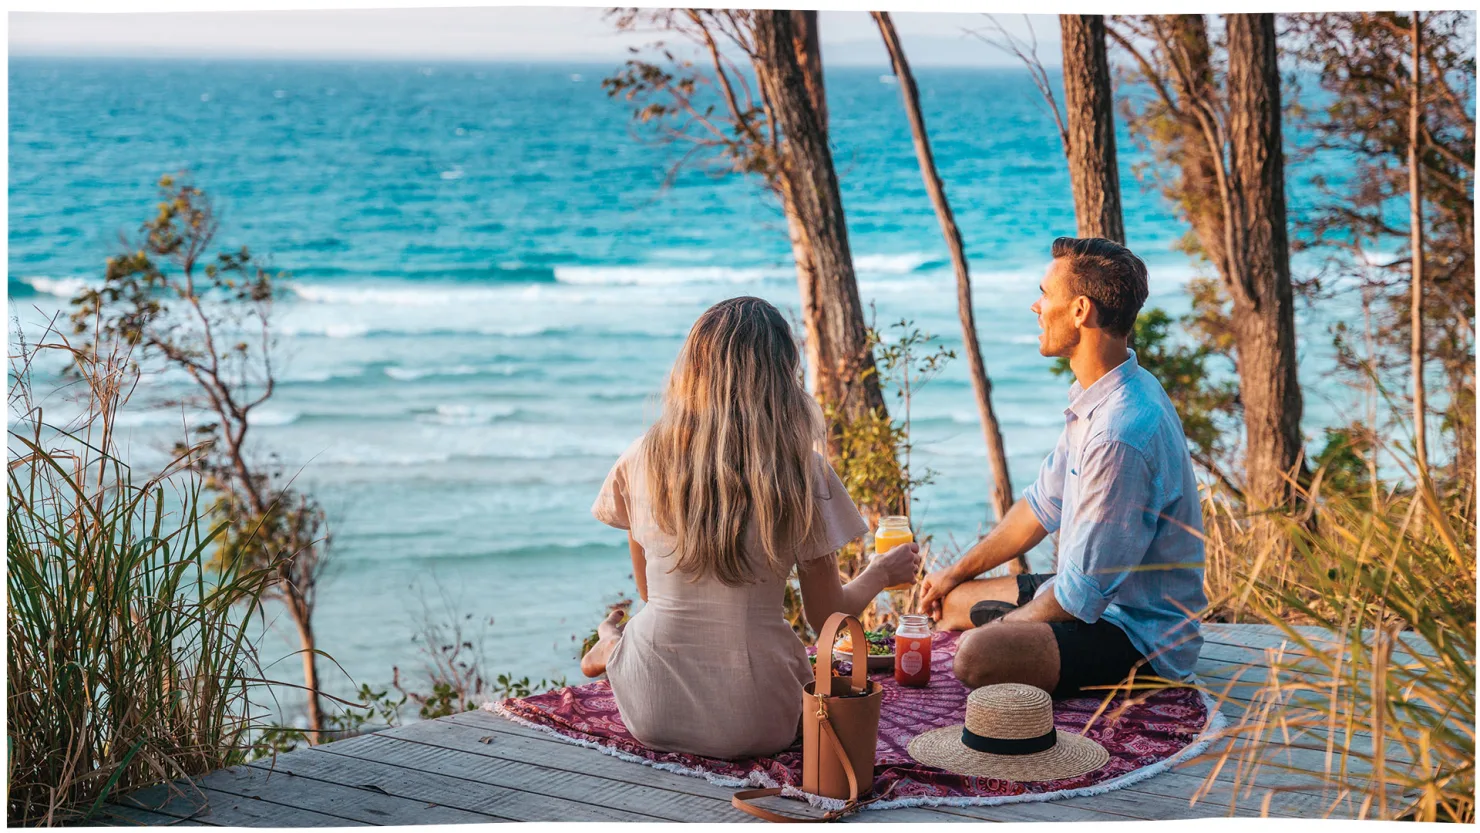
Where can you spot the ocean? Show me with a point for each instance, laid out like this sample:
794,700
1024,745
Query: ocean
490,276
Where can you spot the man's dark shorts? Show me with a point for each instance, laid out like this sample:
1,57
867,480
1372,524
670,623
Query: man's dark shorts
1089,655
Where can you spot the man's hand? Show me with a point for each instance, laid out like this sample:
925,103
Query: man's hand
934,589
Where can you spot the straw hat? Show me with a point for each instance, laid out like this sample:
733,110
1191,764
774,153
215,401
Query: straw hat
1009,733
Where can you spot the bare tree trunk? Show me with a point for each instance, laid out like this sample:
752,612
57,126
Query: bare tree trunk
981,384
1415,221
1264,309
1199,191
845,373
306,641
806,263
1231,189
1091,121
808,47
809,58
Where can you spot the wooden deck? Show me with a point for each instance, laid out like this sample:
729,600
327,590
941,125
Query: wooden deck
477,767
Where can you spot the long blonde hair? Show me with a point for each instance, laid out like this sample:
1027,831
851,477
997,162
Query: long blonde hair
734,445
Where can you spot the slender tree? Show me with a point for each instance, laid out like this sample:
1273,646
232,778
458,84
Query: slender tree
1259,260
209,317
774,127
1415,223
809,58
1091,128
981,383
1203,403
1226,147
1364,63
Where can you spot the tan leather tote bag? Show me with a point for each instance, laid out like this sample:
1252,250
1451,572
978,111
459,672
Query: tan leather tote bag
840,730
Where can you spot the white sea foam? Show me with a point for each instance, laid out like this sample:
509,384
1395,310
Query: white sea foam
467,414
407,374
160,416
60,287
406,295
519,331
895,264
366,456
270,416
666,275
314,376
327,329
191,418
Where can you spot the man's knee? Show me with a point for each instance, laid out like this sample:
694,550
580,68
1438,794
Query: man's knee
976,662
1007,653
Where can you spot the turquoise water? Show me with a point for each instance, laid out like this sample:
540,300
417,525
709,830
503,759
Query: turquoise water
490,281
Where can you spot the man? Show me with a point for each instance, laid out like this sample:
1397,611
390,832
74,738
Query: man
1118,488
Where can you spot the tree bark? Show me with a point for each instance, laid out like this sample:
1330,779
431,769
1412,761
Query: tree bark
806,263
846,378
1258,277
808,47
981,384
809,58
1091,120
1415,221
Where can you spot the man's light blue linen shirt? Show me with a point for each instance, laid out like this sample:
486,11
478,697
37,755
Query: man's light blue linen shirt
1119,488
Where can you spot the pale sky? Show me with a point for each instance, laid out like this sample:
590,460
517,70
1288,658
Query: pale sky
489,34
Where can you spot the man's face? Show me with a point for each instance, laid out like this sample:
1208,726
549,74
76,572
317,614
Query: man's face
1058,330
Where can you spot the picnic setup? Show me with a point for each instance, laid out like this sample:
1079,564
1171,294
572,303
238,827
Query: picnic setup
566,756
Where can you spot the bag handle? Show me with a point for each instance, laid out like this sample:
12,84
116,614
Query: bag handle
742,800
825,642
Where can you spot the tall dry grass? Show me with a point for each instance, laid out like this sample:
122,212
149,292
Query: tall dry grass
1370,693
130,661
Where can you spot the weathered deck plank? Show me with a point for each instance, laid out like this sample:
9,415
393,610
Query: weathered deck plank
511,740
204,805
286,781
1150,793
478,767
115,815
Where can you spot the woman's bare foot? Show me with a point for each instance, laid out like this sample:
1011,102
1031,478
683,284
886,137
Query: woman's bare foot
593,664
611,627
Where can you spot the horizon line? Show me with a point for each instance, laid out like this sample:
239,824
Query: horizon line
427,59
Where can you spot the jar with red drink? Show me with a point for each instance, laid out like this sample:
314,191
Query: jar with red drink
912,644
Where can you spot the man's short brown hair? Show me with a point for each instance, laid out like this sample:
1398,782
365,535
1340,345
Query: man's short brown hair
1109,275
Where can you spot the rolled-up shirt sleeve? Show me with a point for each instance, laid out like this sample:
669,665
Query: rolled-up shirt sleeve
1045,496
1115,520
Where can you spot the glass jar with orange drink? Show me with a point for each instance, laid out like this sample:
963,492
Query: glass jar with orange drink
893,530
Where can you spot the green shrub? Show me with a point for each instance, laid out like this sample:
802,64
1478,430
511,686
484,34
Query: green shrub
130,661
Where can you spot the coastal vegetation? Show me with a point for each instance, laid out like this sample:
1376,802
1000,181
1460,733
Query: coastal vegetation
131,655
180,307
1358,539
135,600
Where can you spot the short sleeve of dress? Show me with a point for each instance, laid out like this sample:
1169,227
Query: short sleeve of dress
838,521
611,506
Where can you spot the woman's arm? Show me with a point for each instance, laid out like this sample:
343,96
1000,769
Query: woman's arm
823,592
639,566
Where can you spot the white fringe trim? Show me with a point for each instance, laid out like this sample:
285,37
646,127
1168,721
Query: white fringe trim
1217,723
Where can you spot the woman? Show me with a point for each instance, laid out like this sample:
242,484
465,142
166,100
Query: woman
721,498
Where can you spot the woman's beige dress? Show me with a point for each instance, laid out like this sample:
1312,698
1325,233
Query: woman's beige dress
704,668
